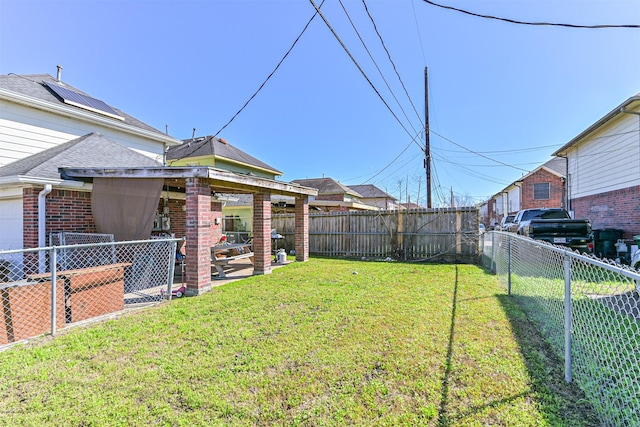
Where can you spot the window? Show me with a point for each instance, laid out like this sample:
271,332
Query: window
541,191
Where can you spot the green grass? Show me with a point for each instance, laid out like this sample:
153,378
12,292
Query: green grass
322,343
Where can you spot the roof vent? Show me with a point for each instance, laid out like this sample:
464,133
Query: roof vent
59,74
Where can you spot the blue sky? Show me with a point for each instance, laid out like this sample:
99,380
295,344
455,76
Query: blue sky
502,97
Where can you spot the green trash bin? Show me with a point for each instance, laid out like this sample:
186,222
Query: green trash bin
605,242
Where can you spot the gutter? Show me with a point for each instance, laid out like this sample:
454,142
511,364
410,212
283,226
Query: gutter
12,180
42,226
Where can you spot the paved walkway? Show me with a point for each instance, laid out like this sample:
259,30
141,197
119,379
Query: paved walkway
235,270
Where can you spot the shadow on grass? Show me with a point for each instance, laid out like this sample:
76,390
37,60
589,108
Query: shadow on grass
561,403
443,419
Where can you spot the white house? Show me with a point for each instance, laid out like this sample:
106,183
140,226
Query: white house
40,112
603,170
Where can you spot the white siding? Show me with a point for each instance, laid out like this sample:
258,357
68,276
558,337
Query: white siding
500,204
25,131
11,223
607,160
513,199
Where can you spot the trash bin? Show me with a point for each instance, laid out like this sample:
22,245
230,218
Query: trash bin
605,242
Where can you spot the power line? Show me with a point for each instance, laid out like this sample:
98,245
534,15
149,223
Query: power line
391,162
516,150
375,27
477,153
415,17
274,70
514,21
344,47
376,64
259,88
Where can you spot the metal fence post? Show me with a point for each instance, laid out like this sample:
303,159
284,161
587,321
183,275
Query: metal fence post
567,317
173,246
509,265
53,260
493,253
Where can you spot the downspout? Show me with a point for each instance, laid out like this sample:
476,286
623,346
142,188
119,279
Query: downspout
565,190
42,226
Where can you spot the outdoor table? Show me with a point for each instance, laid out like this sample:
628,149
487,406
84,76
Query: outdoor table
224,253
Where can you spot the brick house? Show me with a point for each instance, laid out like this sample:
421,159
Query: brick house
237,209
544,187
333,196
604,170
374,196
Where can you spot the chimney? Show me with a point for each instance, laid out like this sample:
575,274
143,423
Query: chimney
59,77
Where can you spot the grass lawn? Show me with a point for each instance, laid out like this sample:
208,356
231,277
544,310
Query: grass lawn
322,343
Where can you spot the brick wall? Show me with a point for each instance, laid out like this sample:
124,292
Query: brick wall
262,233
67,210
302,229
618,209
556,190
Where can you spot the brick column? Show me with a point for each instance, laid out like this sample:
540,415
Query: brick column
262,233
302,228
198,232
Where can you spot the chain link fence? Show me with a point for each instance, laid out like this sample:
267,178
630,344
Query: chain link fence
587,309
44,290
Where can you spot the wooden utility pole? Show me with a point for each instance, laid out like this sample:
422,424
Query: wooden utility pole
427,147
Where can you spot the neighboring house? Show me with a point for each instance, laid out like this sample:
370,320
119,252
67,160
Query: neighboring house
544,187
372,195
604,170
218,153
410,205
55,123
237,209
333,196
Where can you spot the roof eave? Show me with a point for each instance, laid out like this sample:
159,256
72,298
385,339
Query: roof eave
619,110
249,165
84,115
13,180
218,177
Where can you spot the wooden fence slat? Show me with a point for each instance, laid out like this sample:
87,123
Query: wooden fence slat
427,234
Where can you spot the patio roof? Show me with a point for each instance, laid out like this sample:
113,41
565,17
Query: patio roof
221,180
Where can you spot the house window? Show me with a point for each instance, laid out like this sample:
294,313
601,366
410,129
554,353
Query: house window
541,191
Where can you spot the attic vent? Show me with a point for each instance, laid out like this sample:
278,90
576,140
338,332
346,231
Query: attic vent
83,101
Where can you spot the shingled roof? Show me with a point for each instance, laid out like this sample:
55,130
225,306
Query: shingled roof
35,86
218,148
327,186
88,151
370,191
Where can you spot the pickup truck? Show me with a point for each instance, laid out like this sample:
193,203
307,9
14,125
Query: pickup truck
554,225
506,221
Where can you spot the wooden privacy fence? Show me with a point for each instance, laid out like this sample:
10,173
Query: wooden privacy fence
446,235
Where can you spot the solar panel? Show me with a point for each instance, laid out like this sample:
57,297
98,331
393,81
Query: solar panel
83,101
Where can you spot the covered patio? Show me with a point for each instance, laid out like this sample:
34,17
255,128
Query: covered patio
203,226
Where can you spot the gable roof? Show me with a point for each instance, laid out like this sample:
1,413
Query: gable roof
91,150
327,186
34,90
218,148
557,166
370,191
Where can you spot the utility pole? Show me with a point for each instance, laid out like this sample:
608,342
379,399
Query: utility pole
427,147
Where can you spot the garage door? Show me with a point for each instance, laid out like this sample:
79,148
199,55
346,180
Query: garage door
11,224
